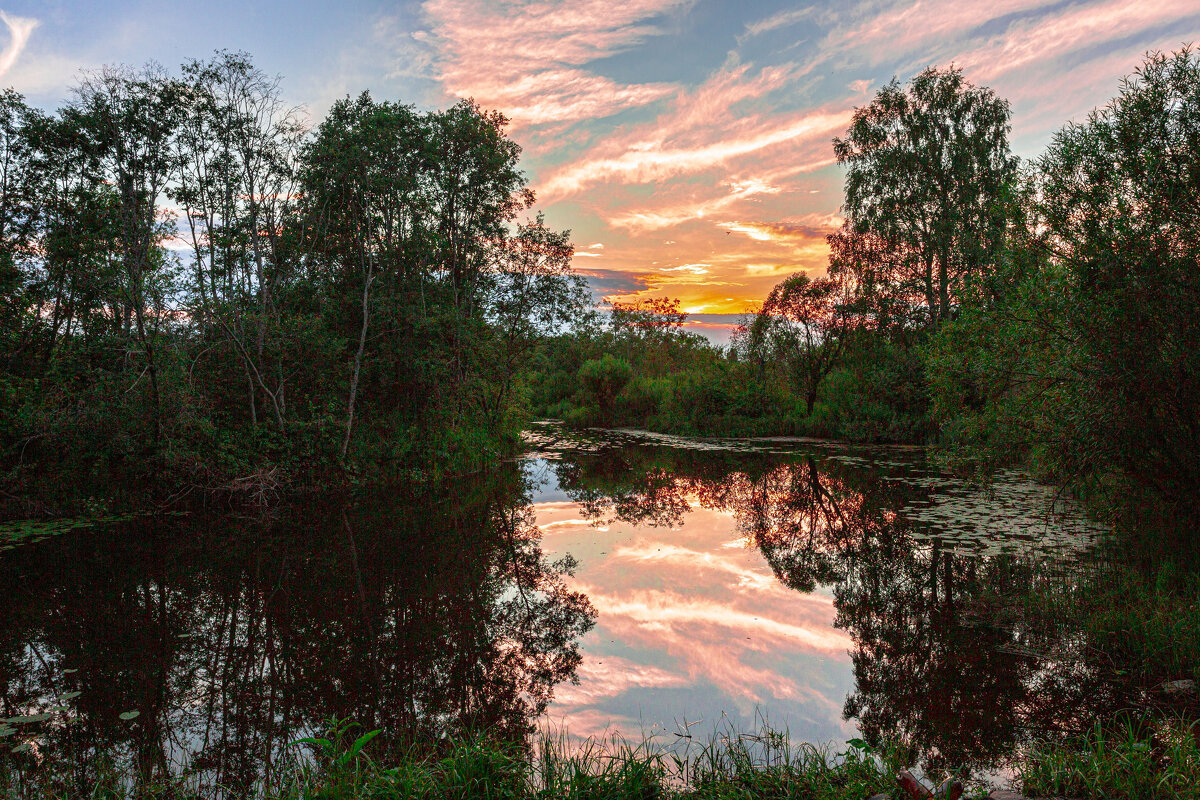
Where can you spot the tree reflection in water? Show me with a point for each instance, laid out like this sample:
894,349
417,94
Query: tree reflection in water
432,614
941,658
422,615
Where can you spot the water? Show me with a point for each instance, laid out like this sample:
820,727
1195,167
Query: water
606,582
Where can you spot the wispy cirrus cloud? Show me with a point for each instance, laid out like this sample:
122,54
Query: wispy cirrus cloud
674,213
703,130
528,57
643,162
904,27
19,31
1033,41
782,19
728,166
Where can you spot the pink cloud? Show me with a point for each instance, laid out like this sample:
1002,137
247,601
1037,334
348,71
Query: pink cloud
665,216
1048,38
909,26
703,131
526,57
643,162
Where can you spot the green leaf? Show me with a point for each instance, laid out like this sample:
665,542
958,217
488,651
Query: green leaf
357,747
325,744
28,718
128,715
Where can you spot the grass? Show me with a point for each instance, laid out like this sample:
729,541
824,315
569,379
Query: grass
341,766
1148,624
1132,758
763,764
1140,622
1127,757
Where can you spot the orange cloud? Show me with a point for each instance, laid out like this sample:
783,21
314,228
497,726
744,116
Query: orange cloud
720,172
654,160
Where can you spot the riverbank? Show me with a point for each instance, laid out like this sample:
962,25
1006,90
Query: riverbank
1122,760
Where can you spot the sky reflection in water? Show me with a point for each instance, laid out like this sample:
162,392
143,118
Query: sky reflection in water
692,625
835,591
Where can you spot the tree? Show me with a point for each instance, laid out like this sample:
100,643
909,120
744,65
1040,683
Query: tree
1117,211
193,284
655,316
928,171
235,153
802,327
363,204
20,220
534,295
602,379
130,117
407,222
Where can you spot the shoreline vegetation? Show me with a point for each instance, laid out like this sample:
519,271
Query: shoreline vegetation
203,298
377,300
1126,758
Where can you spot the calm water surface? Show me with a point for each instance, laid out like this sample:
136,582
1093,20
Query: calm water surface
606,582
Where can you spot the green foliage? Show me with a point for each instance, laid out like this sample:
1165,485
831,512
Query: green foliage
928,171
1143,618
352,299
1081,353
601,380
1114,198
760,764
643,399
1125,757
879,396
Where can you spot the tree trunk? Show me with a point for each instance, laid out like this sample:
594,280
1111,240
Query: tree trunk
362,343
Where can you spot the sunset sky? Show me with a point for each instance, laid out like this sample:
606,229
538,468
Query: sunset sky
685,144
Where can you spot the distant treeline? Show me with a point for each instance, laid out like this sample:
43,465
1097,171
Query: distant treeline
1044,313
197,293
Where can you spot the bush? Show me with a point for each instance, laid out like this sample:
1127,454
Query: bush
642,399
602,379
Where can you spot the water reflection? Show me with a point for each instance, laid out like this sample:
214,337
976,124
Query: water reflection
421,615
833,590
939,656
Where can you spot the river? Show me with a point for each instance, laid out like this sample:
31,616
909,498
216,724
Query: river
605,582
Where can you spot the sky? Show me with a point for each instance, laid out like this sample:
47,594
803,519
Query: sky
687,144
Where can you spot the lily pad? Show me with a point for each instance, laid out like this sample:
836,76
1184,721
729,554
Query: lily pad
27,718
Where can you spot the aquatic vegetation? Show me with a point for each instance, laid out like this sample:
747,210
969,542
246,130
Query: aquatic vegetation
343,763
1127,757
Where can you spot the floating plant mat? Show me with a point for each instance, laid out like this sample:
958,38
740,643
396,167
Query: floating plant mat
552,436
27,531
1012,514
549,435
